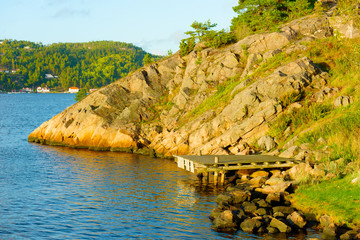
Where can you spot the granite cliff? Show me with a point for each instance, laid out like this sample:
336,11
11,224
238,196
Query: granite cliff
217,101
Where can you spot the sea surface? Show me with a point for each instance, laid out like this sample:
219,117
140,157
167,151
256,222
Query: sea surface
62,193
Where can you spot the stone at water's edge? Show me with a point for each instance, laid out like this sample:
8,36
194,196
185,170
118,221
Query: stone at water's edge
279,225
145,111
250,225
225,222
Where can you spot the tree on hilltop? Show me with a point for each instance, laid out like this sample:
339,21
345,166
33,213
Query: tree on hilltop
265,14
200,29
147,59
203,32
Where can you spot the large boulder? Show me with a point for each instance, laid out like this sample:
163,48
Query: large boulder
225,222
215,213
278,188
250,225
260,173
297,220
257,181
249,207
238,197
312,26
343,101
224,200
284,209
300,172
281,226
290,152
274,198
267,143
275,181
345,27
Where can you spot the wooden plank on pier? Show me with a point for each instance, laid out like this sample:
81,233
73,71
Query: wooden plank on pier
233,159
215,163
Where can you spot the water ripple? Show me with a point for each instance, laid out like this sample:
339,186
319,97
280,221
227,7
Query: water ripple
62,193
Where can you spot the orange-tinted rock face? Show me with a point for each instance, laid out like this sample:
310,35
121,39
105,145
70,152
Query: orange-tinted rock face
160,106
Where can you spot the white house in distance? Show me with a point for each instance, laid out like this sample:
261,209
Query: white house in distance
73,90
47,75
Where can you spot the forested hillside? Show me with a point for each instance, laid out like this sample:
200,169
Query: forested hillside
84,65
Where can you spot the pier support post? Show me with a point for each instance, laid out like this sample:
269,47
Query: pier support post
207,177
222,178
200,177
216,176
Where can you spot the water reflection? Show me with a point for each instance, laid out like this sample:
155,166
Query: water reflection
127,196
61,193
127,192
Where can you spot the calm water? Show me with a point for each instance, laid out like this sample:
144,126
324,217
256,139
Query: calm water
61,193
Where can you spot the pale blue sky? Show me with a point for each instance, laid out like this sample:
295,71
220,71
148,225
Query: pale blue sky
154,25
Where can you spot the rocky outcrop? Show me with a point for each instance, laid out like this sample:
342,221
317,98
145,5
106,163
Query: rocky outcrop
175,106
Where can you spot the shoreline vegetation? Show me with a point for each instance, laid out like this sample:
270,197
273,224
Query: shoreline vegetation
284,82
26,65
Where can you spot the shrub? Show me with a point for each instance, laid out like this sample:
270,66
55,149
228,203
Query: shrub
80,95
218,39
202,33
187,45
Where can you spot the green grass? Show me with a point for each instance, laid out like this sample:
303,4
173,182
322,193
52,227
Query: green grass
291,97
341,58
340,199
218,100
341,130
299,119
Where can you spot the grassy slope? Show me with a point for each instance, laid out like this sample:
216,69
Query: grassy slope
339,199
340,127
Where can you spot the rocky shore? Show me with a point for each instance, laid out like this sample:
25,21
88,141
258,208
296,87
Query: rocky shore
217,101
260,202
268,92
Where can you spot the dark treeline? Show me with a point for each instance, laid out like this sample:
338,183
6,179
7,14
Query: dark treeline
84,65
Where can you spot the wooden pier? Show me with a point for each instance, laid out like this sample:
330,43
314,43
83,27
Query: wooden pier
220,164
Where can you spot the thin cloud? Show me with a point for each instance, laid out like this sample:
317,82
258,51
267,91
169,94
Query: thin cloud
165,43
55,2
67,12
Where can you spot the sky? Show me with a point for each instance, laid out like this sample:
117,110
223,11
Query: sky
154,25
